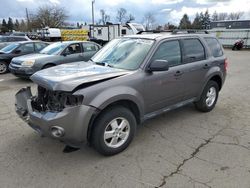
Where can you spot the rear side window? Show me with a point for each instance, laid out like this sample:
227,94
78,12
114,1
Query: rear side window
40,46
170,51
193,50
26,48
214,46
87,47
16,39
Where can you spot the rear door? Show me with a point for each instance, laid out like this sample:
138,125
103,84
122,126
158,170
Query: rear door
89,49
165,88
196,64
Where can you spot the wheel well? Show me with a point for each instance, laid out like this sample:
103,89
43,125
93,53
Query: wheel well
218,80
48,64
126,103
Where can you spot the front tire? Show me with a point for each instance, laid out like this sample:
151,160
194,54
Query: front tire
3,67
208,98
113,130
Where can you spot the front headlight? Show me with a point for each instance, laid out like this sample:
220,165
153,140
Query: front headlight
28,63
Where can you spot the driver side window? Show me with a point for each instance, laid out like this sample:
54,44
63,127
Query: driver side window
170,51
73,49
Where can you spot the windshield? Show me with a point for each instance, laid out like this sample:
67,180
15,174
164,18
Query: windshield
54,49
125,53
9,48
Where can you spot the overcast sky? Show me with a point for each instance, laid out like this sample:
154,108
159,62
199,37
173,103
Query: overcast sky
164,10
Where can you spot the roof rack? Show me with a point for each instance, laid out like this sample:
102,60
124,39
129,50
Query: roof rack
155,31
175,31
189,31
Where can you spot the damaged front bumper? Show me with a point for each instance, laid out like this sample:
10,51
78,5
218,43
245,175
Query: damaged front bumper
73,121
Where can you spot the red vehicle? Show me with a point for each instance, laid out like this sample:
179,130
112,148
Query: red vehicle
238,45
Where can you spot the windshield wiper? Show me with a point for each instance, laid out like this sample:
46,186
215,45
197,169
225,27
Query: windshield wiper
103,64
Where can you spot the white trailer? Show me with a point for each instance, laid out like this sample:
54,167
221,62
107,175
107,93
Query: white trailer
50,34
104,33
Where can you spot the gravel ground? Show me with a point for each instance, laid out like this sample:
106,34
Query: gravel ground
182,148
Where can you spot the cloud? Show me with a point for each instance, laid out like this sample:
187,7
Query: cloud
166,2
163,10
55,1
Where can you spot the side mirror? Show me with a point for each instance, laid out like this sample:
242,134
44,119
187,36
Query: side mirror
158,65
17,51
65,54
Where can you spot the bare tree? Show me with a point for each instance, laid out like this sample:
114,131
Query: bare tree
215,16
49,16
121,15
149,20
130,18
222,16
104,17
235,15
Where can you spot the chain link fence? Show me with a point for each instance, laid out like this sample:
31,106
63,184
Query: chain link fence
227,37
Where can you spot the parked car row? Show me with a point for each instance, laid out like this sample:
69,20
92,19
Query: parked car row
27,57
6,40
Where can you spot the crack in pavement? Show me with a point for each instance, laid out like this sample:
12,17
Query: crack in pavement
195,152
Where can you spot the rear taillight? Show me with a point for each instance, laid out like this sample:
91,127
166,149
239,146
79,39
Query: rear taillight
226,64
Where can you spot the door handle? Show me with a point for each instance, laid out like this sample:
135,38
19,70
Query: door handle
178,73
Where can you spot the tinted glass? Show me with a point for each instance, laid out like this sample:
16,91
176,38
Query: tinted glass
73,49
193,50
26,48
169,51
89,47
214,46
15,39
3,39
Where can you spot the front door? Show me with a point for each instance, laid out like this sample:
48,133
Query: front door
165,88
73,53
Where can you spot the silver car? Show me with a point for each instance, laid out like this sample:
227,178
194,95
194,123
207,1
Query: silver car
128,81
55,54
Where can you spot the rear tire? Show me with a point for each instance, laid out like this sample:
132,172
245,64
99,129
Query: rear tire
113,130
3,67
208,98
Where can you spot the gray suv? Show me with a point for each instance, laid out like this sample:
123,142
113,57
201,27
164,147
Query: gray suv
128,81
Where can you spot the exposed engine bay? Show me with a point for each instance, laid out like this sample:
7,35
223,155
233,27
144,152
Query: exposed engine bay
56,101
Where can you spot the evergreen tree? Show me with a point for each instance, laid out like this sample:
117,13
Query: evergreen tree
10,24
4,28
23,26
197,22
185,22
206,21
16,25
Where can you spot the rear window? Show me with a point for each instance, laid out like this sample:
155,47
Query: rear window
193,50
214,46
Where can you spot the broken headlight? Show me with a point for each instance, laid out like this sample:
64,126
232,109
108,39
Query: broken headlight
73,100
48,100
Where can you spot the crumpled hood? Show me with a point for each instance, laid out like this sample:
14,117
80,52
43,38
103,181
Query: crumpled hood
67,77
32,57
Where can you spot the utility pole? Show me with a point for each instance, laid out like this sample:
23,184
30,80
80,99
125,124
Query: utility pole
93,16
28,19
